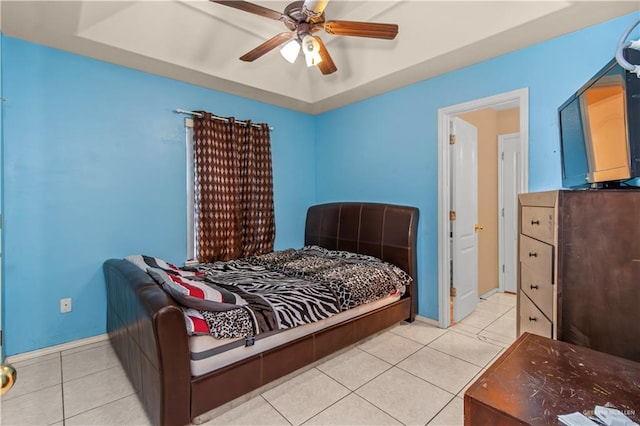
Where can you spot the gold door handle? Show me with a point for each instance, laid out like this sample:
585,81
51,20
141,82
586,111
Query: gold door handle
479,227
8,377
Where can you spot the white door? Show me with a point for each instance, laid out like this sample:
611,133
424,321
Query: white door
510,185
464,202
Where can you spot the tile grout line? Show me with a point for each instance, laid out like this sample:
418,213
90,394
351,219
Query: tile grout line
409,373
499,316
487,339
100,406
435,385
460,359
75,352
464,360
418,377
469,333
491,323
391,366
416,341
358,395
441,410
272,406
64,417
334,403
100,370
398,362
368,381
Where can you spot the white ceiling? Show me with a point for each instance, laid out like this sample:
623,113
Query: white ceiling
200,42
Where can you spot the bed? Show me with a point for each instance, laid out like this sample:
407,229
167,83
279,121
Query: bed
146,326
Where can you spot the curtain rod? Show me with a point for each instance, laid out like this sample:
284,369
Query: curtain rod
213,117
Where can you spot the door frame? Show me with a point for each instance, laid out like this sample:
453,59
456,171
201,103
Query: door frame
501,233
519,98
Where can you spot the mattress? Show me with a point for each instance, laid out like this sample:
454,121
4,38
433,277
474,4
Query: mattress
209,354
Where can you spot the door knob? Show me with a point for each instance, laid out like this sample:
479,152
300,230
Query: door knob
479,227
8,378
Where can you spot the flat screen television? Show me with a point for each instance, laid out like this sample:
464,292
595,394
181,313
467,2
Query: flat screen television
600,129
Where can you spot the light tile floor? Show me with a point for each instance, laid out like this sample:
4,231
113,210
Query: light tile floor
412,374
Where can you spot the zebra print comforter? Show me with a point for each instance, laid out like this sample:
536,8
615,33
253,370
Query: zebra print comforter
288,288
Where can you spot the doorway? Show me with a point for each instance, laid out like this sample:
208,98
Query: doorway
509,186
447,270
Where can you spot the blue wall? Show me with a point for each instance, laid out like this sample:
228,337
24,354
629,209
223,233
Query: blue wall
94,165
386,149
94,168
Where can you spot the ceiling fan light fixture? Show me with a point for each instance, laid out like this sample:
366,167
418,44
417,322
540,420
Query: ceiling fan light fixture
313,59
290,51
311,49
314,8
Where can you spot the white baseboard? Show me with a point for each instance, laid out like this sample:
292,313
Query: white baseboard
57,348
427,320
490,293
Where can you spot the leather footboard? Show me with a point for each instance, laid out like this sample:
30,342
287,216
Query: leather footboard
147,331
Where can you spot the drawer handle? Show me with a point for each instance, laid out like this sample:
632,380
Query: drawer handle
533,287
535,222
533,254
534,319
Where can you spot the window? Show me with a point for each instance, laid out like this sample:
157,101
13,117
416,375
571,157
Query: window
230,212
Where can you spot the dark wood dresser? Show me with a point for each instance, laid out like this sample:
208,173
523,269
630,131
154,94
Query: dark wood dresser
579,274
538,378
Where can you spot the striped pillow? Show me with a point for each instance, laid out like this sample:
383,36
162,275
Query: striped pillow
145,262
186,287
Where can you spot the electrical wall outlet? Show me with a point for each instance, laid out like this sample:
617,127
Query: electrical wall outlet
65,305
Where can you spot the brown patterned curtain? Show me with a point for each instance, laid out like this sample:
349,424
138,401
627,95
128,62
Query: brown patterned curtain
233,190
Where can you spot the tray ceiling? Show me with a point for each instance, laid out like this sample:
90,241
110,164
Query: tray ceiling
200,41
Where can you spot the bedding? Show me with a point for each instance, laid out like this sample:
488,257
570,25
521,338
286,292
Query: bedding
274,291
185,287
209,354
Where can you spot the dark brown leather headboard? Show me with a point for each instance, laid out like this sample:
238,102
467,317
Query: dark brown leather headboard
386,231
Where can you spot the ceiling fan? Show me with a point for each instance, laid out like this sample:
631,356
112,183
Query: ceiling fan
303,18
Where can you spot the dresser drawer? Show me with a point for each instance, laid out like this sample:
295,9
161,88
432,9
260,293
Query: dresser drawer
538,222
537,256
539,290
532,320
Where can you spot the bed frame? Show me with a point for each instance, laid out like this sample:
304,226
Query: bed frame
147,330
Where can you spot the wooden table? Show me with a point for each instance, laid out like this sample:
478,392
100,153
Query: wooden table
537,379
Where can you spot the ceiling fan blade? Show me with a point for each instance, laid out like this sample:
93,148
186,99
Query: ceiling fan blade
267,46
252,8
326,66
362,29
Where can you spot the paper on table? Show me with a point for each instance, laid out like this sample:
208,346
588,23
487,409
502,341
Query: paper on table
612,417
575,419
